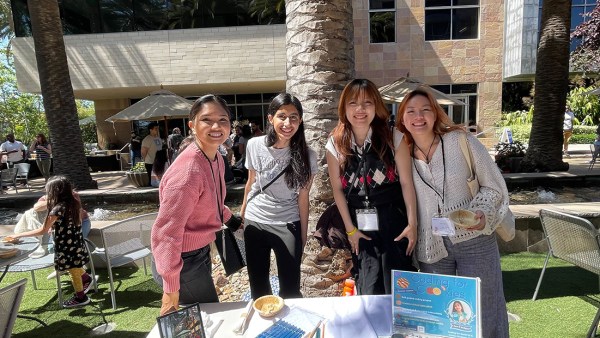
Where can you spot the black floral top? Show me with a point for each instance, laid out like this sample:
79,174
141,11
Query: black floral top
69,247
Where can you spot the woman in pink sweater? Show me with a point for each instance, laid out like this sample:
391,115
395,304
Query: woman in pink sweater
192,209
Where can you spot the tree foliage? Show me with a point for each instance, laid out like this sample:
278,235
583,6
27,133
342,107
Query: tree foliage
586,57
585,107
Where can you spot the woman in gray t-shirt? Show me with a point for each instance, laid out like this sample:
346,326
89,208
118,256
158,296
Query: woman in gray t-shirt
275,208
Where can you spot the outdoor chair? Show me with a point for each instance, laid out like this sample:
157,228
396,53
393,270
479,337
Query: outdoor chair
8,177
23,173
10,300
574,240
125,242
595,150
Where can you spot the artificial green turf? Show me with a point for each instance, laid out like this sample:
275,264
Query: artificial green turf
566,305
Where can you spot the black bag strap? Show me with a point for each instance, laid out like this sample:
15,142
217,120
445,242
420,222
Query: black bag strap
268,184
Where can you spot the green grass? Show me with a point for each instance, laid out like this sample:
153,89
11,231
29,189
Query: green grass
566,305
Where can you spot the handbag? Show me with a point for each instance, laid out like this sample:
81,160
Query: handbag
506,227
231,249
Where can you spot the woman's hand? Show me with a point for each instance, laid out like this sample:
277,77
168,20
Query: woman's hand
355,238
481,217
410,233
170,302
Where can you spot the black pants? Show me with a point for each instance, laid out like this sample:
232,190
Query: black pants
149,171
196,284
286,242
380,255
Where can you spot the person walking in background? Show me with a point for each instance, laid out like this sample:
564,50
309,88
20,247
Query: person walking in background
192,209
13,149
42,150
440,173
150,145
70,253
173,142
567,130
255,129
275,208
370,173
135,148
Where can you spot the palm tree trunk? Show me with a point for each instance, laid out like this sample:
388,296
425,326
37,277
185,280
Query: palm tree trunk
320,61
57,91
551,87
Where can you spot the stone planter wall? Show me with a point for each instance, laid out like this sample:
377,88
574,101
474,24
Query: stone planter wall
138,179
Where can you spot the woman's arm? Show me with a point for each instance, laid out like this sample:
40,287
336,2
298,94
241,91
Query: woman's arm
404,167
333,168
48,149
48,223
303,207
247,188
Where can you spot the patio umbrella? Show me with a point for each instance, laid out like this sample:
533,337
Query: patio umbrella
396,91
593,92
159,105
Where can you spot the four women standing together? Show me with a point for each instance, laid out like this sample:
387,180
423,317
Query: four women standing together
390,184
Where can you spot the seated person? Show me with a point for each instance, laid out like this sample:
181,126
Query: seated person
159,167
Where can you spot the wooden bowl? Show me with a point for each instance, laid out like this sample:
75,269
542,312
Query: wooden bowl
268,306
463,218
8,251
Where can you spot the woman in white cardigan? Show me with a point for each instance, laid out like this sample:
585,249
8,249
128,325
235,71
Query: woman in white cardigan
440,173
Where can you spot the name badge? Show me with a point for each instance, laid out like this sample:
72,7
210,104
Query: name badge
367,219
442,226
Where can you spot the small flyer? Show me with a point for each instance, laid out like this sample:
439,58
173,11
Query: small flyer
430,305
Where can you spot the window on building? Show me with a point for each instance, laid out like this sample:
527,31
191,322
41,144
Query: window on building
578,9
464,92
451,19
382,21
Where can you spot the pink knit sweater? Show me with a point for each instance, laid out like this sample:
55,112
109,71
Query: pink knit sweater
188,216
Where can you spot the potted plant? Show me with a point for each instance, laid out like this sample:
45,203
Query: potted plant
138,176
509,156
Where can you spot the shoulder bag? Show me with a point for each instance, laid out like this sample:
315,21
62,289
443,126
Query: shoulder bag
506,227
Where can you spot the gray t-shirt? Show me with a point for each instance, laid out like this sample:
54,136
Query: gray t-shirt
278,204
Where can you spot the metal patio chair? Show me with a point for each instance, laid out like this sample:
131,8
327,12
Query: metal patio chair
8,177
574,240
125,242
23,173
10,300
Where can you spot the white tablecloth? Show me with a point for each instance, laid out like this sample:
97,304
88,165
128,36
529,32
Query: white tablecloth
354,316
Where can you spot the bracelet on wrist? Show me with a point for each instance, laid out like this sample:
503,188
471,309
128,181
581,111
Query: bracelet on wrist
350,233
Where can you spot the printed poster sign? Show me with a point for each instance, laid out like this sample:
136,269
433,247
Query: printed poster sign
431,305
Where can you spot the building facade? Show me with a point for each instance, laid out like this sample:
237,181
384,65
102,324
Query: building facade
456,46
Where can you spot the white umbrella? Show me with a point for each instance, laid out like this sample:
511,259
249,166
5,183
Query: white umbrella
593,92
159,105
396,91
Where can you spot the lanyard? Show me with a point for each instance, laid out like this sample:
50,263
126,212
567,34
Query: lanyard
444,174
220,192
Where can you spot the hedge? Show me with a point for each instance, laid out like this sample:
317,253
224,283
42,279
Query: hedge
581,134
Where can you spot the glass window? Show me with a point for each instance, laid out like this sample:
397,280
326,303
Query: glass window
464,88
230,99
21,18
149,14
248,98
382,21
251,113
381,4
456,20
80,17
116,15
442,88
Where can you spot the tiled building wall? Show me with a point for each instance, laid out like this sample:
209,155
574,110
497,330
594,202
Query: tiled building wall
170,57
436,62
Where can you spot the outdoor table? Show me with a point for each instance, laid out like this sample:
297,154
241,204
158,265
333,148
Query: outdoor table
352,316
25,247
31,264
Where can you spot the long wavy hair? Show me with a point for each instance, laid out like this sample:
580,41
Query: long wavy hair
60,192
381,142
297,174
442,125
42,137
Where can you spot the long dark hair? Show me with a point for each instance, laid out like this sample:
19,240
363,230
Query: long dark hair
60,192
43,141
160,160
200,102
381,140
297,174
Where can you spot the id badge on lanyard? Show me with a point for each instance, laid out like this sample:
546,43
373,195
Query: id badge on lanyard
442,226
367,219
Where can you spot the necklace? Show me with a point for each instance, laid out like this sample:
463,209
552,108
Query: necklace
428,151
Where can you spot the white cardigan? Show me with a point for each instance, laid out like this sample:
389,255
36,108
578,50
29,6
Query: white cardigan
492,198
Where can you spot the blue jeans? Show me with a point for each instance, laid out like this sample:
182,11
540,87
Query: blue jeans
135,154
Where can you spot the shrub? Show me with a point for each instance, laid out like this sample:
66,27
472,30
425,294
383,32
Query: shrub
139,167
